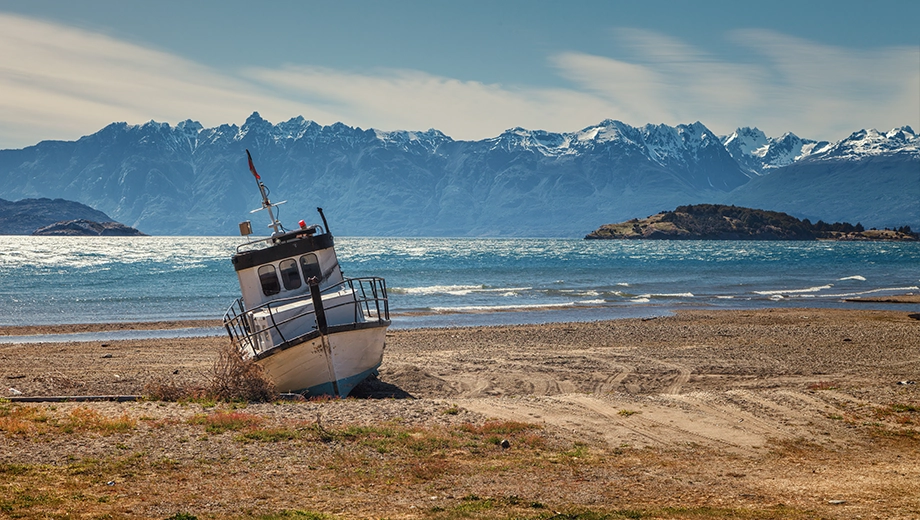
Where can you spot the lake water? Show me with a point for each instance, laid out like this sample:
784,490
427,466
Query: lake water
445,281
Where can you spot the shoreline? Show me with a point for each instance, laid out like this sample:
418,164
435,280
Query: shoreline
80,328
654,312
894,298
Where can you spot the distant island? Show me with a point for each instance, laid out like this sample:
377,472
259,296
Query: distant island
720,222
57,217
88,228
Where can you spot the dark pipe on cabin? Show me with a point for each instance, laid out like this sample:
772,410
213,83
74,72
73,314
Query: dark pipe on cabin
318,304
325,224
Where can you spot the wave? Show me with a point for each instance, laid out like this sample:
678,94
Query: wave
580,292
856,277
500,308
666,295
810,292
873,291
465,290
459,290
781,292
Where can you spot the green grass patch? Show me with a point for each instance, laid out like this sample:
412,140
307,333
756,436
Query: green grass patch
578,451
269,435
14,469
904,408
15,505
453,410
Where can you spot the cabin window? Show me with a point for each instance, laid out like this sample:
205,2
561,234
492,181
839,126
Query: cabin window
269,279
310,266
290,276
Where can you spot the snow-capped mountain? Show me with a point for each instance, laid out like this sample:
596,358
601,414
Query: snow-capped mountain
188,179
871,143
758,154
870,177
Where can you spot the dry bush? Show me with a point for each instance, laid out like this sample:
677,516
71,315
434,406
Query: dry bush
231,379
161,390
234,378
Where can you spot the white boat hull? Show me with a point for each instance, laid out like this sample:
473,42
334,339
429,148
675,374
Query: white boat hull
331,364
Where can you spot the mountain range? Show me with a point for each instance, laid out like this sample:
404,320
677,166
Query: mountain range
190,180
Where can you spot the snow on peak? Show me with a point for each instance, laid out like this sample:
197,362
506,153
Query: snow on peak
188,126
660,143
254,119
757,153
864,143
902,130
540,141
663,142
746,140
153,125
786,150
608,130
295,128
677,145
405,139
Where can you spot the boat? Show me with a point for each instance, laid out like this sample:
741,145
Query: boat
312,330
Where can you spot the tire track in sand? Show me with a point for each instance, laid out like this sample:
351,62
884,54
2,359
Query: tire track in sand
660,422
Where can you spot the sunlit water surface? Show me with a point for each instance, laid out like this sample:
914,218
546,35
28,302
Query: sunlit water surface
445,281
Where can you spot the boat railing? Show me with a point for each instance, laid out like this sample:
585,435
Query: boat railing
266,242
368,299
252,245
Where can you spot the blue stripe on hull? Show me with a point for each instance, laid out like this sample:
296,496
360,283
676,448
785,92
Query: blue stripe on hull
346,385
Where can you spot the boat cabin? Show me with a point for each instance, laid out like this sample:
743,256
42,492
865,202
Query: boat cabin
283,269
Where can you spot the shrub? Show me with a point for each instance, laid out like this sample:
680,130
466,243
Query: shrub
232,378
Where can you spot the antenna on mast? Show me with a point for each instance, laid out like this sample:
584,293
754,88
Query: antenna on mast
266,204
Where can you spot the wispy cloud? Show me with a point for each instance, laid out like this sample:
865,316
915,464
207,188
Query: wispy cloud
60,82
795,85
406,99
827,88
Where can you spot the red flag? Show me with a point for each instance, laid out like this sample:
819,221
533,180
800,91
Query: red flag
252,167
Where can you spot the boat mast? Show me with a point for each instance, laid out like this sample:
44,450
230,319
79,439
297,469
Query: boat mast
266,204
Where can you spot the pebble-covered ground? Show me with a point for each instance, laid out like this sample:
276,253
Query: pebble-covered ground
777,413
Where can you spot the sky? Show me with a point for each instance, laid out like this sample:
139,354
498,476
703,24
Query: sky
471,68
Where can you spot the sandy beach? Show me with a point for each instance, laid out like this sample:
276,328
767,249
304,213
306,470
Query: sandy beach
795,413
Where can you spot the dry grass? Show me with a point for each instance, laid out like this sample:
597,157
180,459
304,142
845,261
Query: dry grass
231,379
246,461
359,471
352,461
27,421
